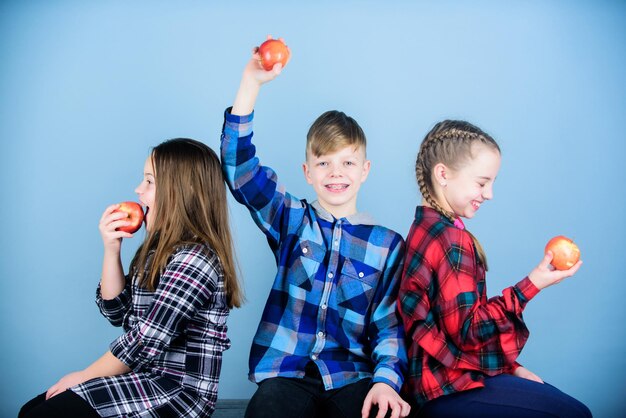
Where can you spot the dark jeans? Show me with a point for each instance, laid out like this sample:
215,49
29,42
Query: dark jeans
306,398
63,405
505,396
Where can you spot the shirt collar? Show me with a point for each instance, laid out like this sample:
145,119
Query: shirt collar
426,212
359,218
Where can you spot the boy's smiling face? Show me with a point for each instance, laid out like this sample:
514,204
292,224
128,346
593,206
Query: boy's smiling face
337,177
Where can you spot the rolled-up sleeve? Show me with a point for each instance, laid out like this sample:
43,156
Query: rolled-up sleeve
115,309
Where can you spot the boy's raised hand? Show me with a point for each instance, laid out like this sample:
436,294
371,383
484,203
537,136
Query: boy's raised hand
386,399
254,76
545,275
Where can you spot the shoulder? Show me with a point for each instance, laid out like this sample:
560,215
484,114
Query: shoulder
196,260
434,239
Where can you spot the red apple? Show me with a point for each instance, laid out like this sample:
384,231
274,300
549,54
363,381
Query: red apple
135,216
273,51
565,252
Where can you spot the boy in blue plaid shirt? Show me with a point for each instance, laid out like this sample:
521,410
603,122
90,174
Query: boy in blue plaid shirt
329,343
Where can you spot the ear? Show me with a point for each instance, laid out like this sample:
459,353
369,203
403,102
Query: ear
440,173
307,174
366,170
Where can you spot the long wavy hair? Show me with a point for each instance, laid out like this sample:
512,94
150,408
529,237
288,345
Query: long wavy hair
191,208
449,142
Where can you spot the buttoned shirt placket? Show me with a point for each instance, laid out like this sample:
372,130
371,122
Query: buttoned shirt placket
330,279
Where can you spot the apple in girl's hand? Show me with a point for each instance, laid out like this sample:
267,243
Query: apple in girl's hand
273,51
135,216
565,252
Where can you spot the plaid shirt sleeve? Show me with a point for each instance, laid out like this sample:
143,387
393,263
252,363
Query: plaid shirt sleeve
445,308
386,332
252,184
184,287
115,309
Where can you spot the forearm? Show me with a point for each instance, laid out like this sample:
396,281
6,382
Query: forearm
246,97
112,281
107,365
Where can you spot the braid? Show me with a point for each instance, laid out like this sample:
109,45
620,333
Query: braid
448,142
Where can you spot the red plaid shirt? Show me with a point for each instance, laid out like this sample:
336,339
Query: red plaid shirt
455,335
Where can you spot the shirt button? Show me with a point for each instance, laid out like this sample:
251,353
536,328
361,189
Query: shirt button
313,357
323,306
305,250
330,275
361,274
320,334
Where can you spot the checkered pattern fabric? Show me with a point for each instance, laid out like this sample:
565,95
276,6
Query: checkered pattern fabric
333,298
455,335
173,342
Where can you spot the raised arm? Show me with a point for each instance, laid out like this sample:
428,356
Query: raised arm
254,76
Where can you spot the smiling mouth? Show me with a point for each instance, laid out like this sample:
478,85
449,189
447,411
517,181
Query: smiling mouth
475,205
336,187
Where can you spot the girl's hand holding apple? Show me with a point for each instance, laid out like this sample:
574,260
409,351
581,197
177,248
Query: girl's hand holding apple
113,226
545,274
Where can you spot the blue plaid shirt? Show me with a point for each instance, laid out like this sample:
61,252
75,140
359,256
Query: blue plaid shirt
333,300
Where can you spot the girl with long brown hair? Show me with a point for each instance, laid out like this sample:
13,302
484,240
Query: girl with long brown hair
173,305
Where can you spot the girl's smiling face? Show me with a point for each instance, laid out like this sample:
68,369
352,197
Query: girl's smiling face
463,190
146,190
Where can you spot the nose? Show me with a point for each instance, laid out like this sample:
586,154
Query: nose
335,170
139,189
488,192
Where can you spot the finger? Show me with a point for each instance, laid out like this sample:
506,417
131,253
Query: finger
575,267
113,225
109,209
406,409
269,37
396,408
277,68
547,259
50,392
367,404
563,274
382,410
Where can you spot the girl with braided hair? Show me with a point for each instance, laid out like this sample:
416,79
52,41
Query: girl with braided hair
463,347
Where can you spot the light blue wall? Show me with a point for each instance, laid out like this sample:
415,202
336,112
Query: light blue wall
86,88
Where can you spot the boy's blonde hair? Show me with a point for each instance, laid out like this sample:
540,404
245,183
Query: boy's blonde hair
332,131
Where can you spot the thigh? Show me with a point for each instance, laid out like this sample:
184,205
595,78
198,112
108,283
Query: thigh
347,402
65,404
507,396
284,397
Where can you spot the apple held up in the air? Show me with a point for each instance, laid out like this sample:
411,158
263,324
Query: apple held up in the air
273,51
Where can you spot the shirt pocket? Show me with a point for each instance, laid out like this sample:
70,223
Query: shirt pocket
356,286
306,258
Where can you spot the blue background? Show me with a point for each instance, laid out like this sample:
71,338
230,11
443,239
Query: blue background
86,88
